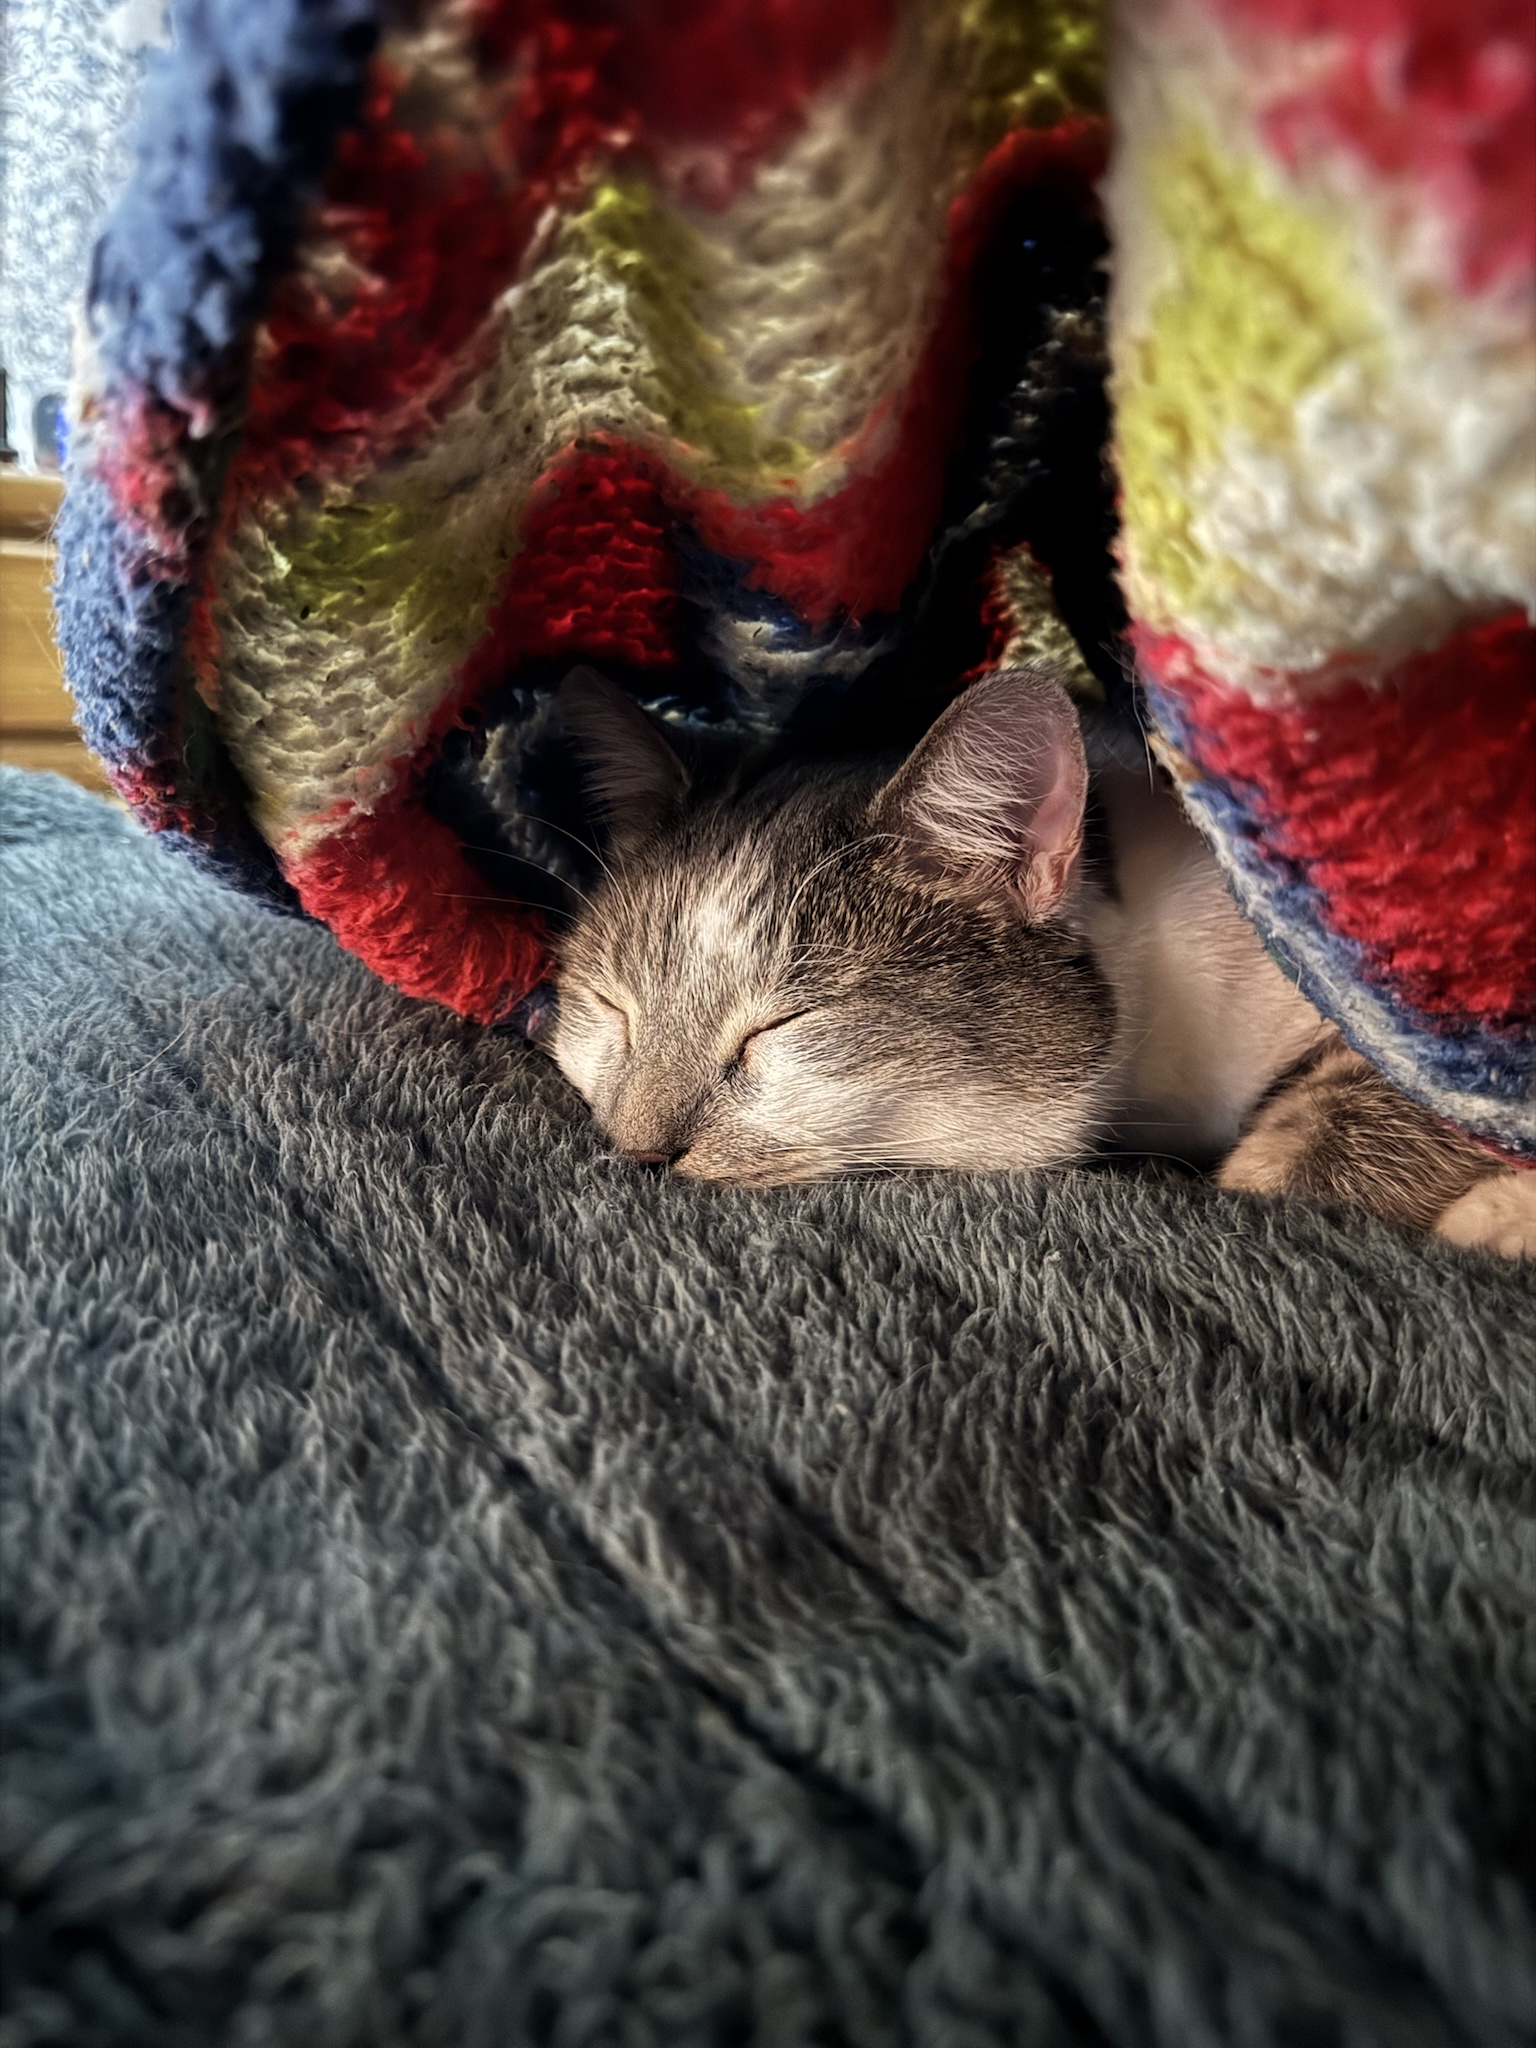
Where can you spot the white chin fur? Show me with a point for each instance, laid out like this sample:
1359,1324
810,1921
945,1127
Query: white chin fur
964,1131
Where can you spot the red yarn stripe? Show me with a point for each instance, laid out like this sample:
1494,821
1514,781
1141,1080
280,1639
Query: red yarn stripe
595,579
595,575
153,791
705,88
398,891
1441,93
434,231
139,455
1410,807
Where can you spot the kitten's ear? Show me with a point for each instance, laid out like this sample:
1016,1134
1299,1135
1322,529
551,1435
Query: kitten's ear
631,773
990,802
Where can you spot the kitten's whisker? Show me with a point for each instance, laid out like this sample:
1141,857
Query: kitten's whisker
499,853
462,896
548,825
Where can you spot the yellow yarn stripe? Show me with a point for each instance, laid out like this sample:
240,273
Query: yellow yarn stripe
1027,65
664,267
1259,307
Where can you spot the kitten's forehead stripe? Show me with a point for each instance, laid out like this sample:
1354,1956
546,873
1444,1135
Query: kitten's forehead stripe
699,925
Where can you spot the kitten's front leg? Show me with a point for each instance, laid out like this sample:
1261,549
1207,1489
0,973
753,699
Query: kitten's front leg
1336,1131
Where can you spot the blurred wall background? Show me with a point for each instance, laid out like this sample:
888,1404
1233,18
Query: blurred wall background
69,79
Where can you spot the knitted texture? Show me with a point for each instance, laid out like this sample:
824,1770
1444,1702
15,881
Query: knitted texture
755,353
460,1593
431,355
1324,359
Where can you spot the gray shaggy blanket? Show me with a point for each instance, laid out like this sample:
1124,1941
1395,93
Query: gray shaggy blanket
461,1593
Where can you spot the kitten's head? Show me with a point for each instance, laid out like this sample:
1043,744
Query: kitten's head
840,968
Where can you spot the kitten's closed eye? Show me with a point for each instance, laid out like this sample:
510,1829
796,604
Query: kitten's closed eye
738,1059
614,1012
607,1031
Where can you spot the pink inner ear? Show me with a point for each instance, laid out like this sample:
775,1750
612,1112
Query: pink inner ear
994,793
1055,830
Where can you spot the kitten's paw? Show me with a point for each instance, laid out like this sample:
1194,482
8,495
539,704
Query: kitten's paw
1498,1215
1264,1163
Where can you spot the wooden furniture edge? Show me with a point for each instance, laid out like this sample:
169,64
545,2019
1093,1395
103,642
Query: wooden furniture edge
28,505
36,726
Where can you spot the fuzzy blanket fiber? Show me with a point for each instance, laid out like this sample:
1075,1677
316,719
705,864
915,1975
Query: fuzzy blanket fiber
459,1591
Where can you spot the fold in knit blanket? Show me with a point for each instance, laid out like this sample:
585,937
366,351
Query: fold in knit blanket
458,1592
757,353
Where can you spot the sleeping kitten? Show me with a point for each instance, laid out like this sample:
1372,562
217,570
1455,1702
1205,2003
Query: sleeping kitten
913,964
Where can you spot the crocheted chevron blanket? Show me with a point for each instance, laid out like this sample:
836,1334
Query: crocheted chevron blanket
756,352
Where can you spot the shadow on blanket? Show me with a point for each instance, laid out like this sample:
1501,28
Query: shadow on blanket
460,1593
